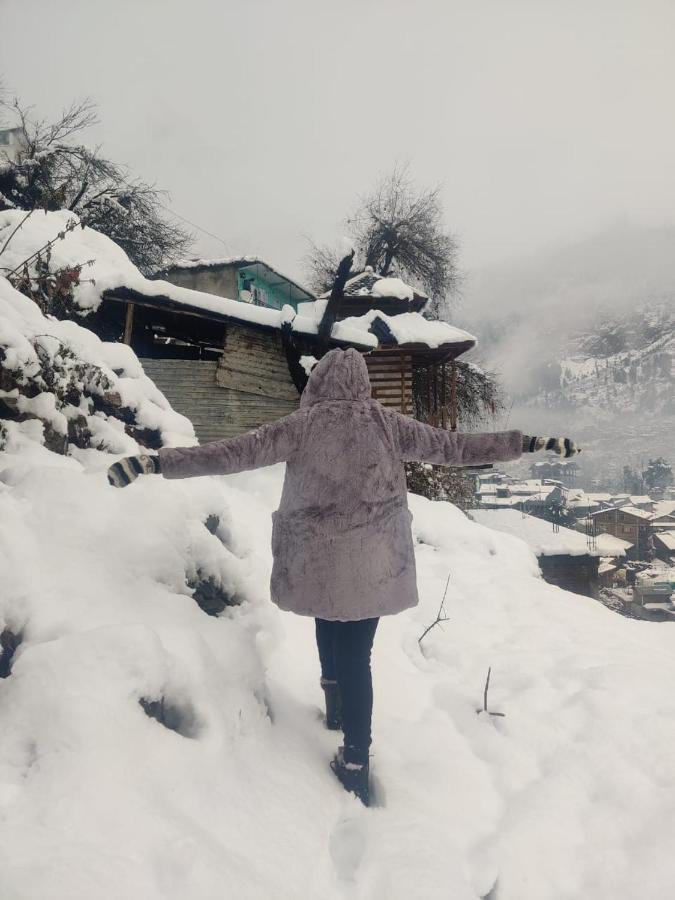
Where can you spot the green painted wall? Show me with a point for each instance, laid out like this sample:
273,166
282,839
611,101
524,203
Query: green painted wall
267,295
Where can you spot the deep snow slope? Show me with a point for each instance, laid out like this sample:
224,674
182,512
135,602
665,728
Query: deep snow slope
570,795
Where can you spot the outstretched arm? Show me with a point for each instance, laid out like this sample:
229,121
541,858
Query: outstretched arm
265,446
424,443
269,444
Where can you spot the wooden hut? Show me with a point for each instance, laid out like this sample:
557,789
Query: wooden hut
231,366
408,344
226,365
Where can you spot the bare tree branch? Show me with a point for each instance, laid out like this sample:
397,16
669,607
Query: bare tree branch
397,230
440,617
53,172
485,698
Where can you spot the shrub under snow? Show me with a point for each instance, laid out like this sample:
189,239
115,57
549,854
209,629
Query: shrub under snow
58,381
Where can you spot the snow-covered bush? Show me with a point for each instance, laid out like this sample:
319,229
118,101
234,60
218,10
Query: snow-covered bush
79,391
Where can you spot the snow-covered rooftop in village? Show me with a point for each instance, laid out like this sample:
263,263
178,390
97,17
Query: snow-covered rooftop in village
664,507
630,510
539,535
557,462
667,538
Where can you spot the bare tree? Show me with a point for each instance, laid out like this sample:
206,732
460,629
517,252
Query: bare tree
321,265
398,230
478,393
55,171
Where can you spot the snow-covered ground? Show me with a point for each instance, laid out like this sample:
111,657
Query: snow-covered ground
570,795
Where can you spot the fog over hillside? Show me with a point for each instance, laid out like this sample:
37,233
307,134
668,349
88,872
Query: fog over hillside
583,337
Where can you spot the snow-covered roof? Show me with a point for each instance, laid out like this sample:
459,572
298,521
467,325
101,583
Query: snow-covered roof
583,502
664,508
663,517
237,262
541,538
487,489
609,545
112,275
401,328
555,462
163,293
667,538
531,487
369,284
630,510
506,502
412,328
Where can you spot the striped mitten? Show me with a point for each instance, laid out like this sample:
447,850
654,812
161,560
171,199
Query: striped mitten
562,446
122,473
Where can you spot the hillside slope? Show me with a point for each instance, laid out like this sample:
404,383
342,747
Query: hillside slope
570,795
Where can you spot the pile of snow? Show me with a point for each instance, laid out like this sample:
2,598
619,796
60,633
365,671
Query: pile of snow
413,328
541,538
62,386
571,794
392,287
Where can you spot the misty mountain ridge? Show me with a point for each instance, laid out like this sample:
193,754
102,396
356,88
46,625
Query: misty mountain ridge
586,335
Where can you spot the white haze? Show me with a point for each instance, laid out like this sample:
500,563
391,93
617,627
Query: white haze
541,121
525,310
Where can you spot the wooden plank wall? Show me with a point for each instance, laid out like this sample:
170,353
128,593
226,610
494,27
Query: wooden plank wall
255,362
190,387
391,377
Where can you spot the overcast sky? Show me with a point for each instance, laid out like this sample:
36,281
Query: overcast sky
543,120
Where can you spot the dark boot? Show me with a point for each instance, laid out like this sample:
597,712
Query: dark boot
333,704
353,772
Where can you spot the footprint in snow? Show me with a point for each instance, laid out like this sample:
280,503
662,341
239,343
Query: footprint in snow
347,846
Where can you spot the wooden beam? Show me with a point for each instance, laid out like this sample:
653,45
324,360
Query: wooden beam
128,324
453,396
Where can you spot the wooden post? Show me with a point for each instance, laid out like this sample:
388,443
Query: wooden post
453,396
402,362
444,399
429,400
128,324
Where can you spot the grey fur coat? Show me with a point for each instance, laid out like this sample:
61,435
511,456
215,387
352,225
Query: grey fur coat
341,538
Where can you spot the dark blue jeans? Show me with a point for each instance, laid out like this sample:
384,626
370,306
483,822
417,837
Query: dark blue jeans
344,652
